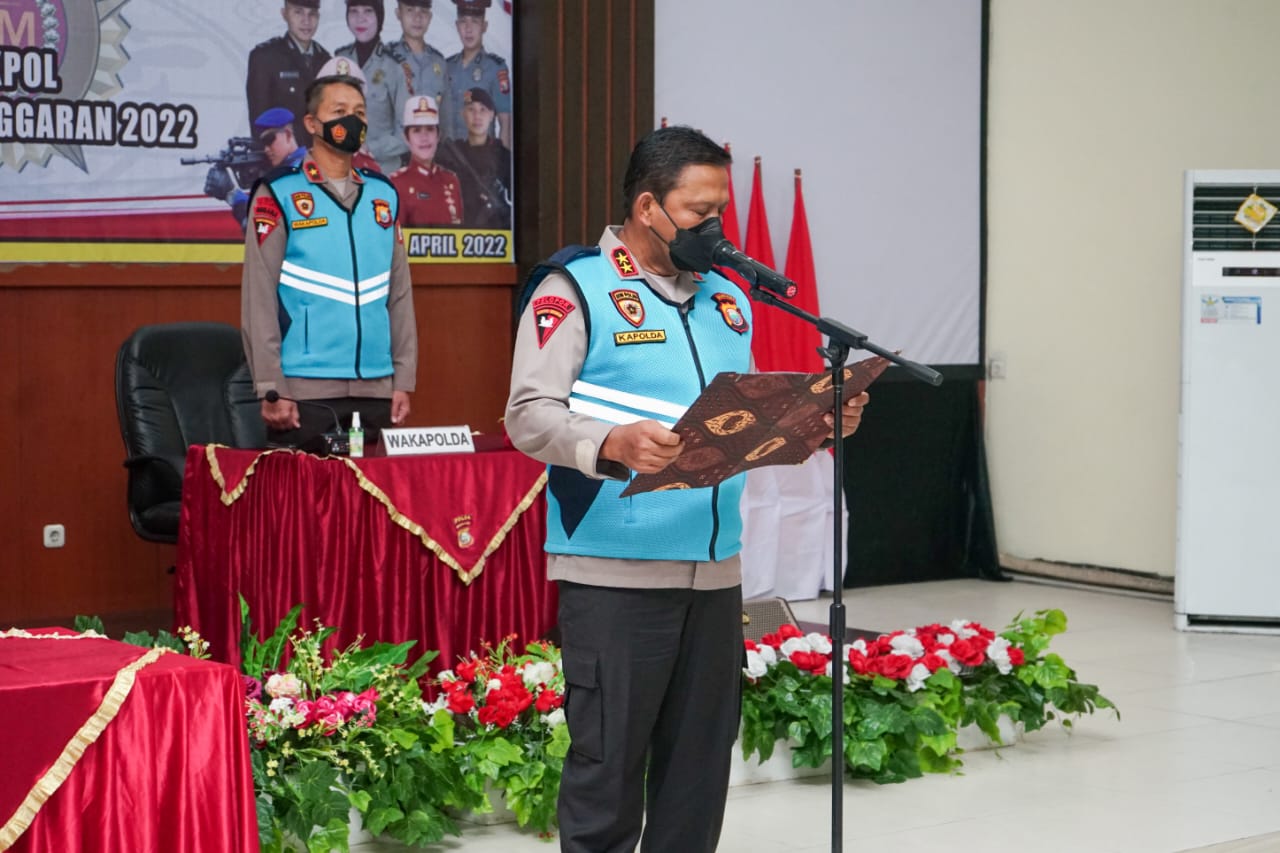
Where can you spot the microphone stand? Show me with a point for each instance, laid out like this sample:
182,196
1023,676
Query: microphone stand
840,339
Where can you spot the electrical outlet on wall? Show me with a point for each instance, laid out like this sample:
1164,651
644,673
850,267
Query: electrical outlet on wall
55,536
997,366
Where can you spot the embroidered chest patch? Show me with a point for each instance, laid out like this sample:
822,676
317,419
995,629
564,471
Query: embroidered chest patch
304,204
382,212
548,313
629,306
731,313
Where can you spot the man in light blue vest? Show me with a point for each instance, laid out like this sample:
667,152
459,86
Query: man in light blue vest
614,342
326,300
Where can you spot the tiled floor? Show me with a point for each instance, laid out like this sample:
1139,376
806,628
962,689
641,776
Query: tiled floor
1194,762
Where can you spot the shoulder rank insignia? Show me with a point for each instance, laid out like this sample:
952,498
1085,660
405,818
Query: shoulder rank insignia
629,306
623,264
548,313
731,313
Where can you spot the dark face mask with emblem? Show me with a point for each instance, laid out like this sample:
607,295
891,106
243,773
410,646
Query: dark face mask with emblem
345,133
691,249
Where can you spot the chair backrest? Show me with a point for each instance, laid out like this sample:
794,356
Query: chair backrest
179,384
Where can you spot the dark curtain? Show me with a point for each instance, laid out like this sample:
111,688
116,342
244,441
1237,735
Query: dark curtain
916,486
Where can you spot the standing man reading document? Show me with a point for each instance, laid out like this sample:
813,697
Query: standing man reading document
613,340
326,299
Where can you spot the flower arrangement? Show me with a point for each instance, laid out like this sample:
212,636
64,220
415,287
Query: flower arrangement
345,735
908,693
509,727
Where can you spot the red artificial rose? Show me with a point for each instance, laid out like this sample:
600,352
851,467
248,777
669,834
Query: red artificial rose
933,662
810,661
751,645
896,667
858,662
466,669
461,701
548,700
1016,657
970,652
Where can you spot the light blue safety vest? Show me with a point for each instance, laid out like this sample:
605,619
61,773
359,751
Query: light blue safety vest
335,278
641,364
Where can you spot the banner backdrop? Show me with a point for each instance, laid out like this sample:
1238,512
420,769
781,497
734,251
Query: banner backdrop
128,132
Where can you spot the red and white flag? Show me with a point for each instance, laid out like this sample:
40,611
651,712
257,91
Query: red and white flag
795,343
759,245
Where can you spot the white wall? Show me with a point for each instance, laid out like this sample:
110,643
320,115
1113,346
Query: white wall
878,103
1096,108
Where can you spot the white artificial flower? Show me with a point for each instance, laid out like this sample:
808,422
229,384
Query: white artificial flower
768,654
554,717
958,625
998,653
283,684
447,675
917,677
536,673
907,645
952,664
793,645
493,684
859,644
819,643
281,705
946,639
430,708
756,667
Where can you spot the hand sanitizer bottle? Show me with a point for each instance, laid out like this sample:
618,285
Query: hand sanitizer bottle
355,438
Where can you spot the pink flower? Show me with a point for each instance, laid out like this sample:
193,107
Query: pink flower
284,685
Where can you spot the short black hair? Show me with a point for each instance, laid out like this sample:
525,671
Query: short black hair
659,158
315,92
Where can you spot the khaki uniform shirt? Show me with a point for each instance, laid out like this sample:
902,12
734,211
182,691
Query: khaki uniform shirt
539,423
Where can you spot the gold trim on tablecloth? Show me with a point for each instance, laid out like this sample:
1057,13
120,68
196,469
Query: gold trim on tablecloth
71,754
434,546
21,634
215,471
466,575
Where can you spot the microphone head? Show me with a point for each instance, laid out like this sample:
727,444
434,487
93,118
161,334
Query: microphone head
272,396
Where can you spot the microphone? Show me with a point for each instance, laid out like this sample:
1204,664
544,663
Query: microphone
726,254
334,442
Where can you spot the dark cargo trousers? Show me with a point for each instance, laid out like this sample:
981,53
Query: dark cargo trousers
653,701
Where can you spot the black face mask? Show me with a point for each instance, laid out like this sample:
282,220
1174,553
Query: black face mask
345,133
691,249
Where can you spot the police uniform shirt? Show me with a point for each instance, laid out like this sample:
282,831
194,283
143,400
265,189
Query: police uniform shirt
486,71
429,195
428,69
540,424
485,173
278,76
386,89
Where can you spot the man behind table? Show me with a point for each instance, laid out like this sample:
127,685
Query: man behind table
326,300
617,340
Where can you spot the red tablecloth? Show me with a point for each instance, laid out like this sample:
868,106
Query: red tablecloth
109,747
445,550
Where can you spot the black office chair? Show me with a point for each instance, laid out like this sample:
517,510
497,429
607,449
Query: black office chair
179,384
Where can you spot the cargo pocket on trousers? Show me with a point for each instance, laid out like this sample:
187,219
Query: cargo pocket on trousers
583,707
